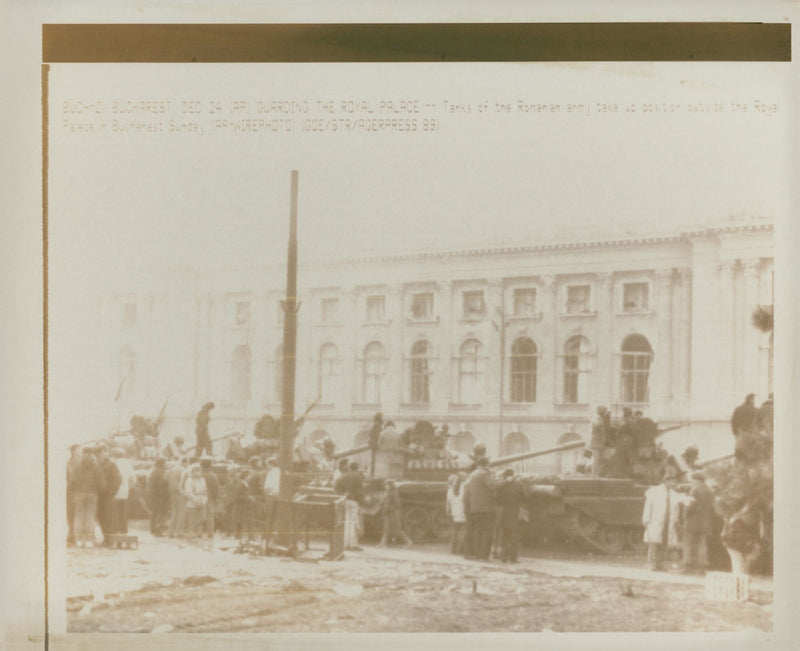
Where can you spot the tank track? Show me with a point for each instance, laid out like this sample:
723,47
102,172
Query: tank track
608,539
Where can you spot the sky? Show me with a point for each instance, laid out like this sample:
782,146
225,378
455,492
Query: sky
122,202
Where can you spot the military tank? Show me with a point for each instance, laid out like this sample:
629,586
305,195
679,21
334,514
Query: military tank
604,513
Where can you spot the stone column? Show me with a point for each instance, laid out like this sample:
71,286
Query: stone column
395,372
704,329
750,352
549,387
725,321
442,380
661,382
603,368
682,329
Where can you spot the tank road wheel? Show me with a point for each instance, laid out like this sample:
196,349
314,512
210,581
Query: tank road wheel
415,523
586,525
612,539
440,524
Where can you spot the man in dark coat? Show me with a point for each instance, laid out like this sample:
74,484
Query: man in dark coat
766,415
697,524
212,486
374,440
158,497
745,416
109,485
509,499
201,430
479,509
597,444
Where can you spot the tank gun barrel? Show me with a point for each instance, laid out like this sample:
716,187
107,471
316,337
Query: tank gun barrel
711,462
351,452
536,453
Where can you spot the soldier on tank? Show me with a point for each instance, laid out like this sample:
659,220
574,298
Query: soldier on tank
201,430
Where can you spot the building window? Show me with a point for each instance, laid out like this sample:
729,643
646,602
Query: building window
516,443
525,301
330,310
474,305
420,373
577,369
240,375
277,375
374,359
422,306
376,309
523,370
579,299
328,373
635,297
129,314
463,442
127,375
242,317
636,357
470,373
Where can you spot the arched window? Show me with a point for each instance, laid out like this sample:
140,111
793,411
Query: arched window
463,442
577,369
374,359
470,372
277,375
419,373
516,443
328,373
240,375
127,375
523,370
635,369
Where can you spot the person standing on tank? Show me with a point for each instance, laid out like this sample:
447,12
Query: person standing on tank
597,443
201,430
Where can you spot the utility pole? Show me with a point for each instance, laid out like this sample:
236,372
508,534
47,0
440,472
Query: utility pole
289,351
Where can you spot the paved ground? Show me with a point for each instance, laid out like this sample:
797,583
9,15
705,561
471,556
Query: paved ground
176,586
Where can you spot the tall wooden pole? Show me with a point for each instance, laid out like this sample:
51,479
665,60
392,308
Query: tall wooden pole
289,352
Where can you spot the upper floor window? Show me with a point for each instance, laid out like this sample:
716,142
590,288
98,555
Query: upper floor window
242,316
422,306
328,373
635,369
577,369
474,305
129,314
329,310
635,297
525,301
470,372
419,388
376,309
579,299
523,370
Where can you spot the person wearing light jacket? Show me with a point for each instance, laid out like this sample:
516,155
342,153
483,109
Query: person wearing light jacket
655,519
196,493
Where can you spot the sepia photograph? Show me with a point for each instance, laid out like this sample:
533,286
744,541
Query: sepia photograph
408,344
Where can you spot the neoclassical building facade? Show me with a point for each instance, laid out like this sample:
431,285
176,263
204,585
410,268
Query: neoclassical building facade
513,346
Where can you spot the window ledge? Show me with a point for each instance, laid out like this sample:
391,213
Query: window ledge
525,317
430,321
578,315
410,406
635,313
518,405
465,406
472,319
574,406
383,322
366,406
